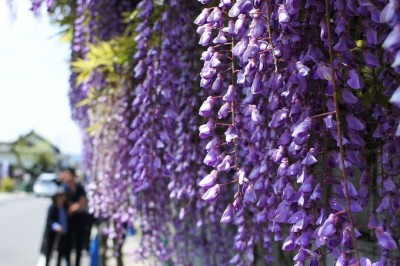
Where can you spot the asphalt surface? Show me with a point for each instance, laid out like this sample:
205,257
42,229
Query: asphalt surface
22,219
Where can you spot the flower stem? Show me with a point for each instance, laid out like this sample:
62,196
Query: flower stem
233,107
339,128
270,36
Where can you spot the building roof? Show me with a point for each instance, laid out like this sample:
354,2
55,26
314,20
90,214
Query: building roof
31,138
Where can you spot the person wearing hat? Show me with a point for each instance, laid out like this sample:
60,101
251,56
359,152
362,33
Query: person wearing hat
57,228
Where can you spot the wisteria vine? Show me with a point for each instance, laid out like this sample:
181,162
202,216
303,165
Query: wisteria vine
242,131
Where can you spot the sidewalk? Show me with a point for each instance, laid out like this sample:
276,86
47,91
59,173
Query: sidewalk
131,243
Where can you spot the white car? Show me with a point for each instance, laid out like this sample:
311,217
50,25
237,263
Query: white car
46,185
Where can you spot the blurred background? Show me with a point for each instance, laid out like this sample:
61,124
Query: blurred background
37,135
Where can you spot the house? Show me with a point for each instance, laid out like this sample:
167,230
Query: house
30,152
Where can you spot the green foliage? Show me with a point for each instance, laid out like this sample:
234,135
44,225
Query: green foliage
7,184
32,149
44,162
103,57
64,14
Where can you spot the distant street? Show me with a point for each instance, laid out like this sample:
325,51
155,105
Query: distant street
22,219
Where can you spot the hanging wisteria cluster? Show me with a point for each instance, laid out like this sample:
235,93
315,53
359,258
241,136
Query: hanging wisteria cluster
240,132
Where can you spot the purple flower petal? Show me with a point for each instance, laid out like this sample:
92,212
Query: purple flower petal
202,18
317,193
212,193
288,244
231,134
209,180
227,216
285,138
384,239
396,97
262,216
304,239
373,221
255,115
309,159
354,81
372,36
215,62
341,45
349,97
224,110
257,86
396,61
240,47
302,69
279,118
250,195
226,164
297,216
262,202
356,139
388,13
235,260
278,154
300,257
294,169
328,228
207,129
282,167
206,107
217,84
236,9
302,129
215,15
388,184
211,157
283,15
371,60
352,190
336,205
212,143
353,123
364,262
257,28
230,94
208,72
328,121
307,186
393,39
251,51
355,207
205,38
325,72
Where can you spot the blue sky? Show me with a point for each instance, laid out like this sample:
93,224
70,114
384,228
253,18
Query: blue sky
34,79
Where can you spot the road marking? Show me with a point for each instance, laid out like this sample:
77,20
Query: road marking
41,261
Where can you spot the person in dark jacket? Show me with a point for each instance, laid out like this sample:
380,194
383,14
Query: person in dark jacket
56,232
76,204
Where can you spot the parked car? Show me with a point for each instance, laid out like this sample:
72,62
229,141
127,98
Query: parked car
46,185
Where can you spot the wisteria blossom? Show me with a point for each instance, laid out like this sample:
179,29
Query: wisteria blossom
241,132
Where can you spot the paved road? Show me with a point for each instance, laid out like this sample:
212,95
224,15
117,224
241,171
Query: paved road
22,219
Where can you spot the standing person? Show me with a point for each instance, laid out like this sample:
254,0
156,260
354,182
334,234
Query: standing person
56,232
76,203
